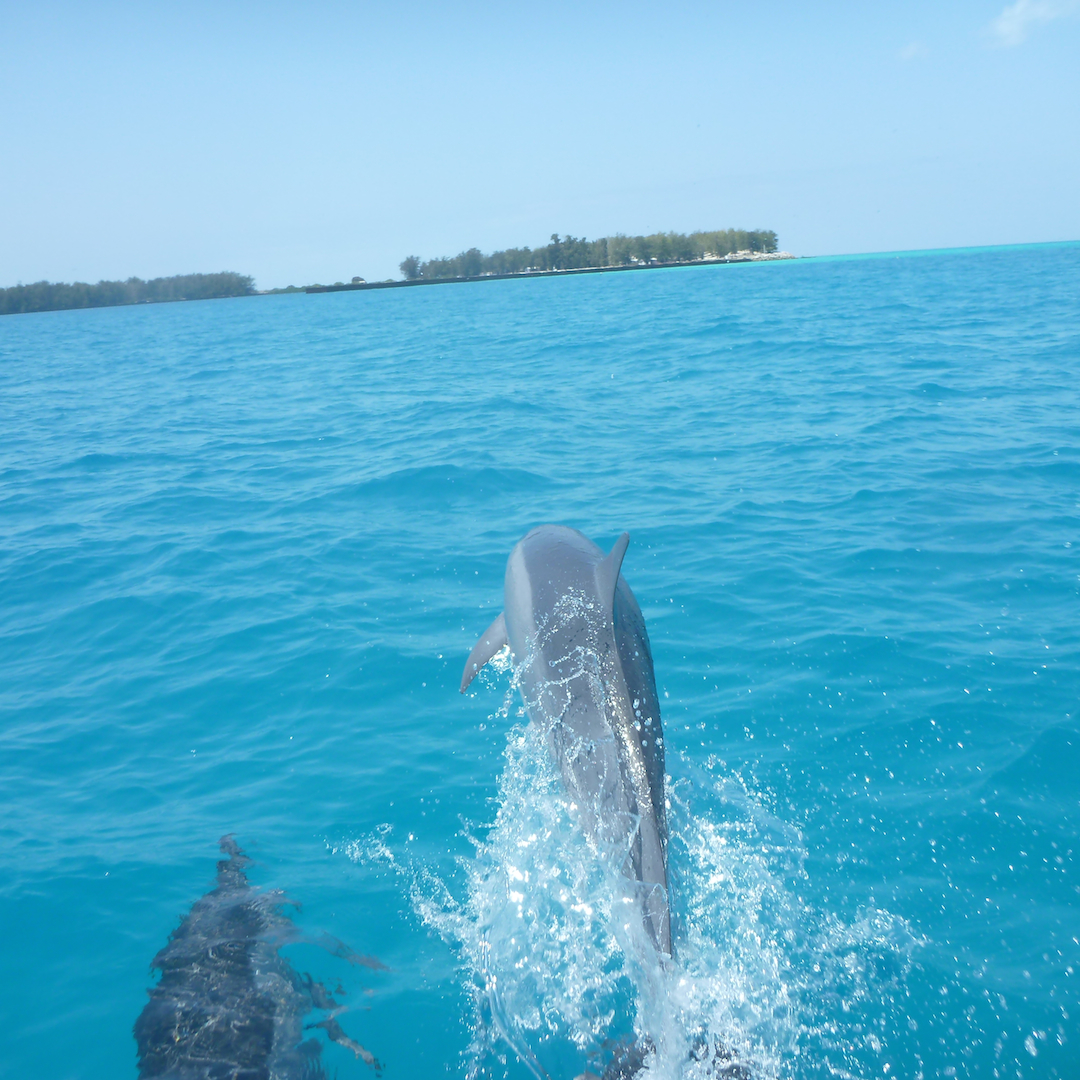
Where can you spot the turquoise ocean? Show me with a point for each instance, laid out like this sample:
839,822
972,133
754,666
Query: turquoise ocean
246,546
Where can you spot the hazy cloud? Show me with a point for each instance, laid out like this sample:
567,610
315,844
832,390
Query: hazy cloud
1012,25
913,51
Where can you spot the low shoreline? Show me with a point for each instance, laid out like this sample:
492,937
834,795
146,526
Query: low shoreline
739,257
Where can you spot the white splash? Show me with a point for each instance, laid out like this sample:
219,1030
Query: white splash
560,968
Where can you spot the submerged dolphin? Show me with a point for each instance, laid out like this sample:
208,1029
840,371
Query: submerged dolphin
582,662
229,1006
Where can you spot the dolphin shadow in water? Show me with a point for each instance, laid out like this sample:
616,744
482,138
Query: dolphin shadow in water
229,1006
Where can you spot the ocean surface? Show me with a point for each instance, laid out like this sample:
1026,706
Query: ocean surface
246,546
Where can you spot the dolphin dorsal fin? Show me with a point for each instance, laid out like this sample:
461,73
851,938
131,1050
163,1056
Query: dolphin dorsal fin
491,641
607,570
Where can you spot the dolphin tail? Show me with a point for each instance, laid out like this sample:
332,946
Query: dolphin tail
491,641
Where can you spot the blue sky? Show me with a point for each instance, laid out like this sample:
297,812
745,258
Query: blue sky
310,142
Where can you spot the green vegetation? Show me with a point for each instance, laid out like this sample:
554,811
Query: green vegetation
48,296
303,288
570,253
286,289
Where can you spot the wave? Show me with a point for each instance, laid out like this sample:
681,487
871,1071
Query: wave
431,488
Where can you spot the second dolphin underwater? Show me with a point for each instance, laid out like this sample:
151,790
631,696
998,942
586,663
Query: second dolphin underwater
582,662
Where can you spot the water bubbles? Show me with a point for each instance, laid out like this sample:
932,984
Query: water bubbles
559,967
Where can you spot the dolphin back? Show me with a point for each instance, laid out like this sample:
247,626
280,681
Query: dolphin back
635,656
584,667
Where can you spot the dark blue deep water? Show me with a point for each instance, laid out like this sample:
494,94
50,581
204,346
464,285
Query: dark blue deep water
246,546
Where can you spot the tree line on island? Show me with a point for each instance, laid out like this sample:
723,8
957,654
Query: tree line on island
572,253
57,296
562,253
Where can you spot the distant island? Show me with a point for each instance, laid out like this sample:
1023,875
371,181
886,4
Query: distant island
563,255
50,296
571,253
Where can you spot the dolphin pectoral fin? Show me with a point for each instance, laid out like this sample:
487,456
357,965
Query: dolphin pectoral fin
491,641
607,571
336,1033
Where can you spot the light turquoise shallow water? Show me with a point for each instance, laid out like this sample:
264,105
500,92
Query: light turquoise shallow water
246,545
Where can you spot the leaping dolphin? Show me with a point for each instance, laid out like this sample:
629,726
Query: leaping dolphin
581,659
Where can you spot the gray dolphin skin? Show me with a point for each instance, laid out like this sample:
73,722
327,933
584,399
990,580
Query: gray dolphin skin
229,1006
583,665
